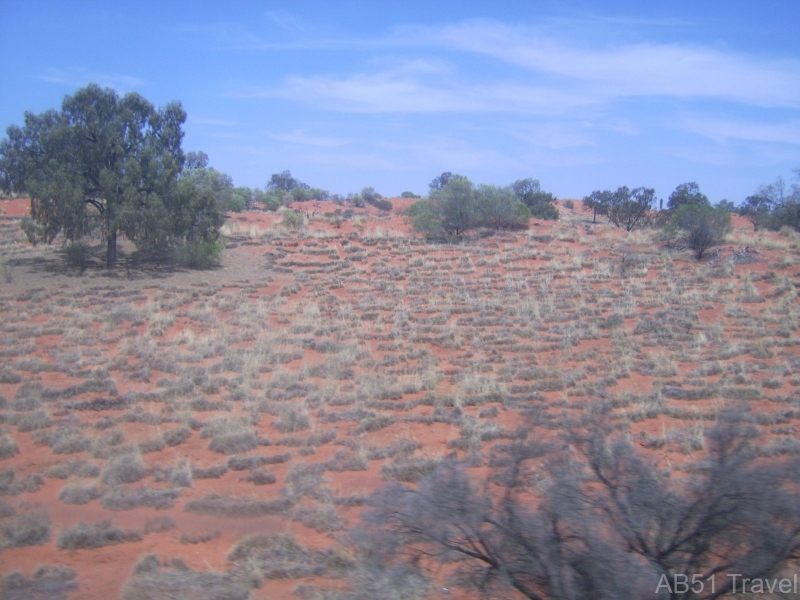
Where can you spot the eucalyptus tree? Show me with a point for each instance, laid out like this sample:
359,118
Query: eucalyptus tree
107,165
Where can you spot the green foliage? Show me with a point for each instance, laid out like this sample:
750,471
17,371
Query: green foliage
282,189
773,207
442,180
108,165
702,226
33,231
787,215
220,185
409,195
78,254
540,203
726,205
625,208
245,197
598,202
460,207
274,199
199,254
305,194
370,196
293,219
284,181
499,208
424,217
687,194
456,205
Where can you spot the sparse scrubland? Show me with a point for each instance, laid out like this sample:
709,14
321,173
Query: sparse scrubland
345,410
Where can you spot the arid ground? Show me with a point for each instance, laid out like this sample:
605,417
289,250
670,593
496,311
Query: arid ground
156,410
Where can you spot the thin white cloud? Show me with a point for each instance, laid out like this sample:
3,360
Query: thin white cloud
420,87
628,21
215,122
555,78
228,136
702,155
674,70
287,22
83,76
363,161
553,135
299,136
723,130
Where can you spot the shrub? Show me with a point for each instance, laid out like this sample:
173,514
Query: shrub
8,375
322,518
159,524
187,538
78,254
80,468
409,469
180,474
292,219
772,207
229,435
95,535
233,507
540,203
306,480
280,556
153,581
8,447
11,486
499,208
261,477
425,217
175,437
199,254
234,443
74,493
687,194
47,583
245,463
625,208
120,498
293,418
124,468
33,230
214,472
457,207
27,529
7,509
702,226
609,522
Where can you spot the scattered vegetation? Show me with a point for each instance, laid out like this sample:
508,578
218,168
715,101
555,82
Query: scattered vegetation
47,583
609,520
361,356
26,529
153,580
95,535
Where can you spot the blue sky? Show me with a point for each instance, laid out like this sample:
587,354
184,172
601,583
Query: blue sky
580,95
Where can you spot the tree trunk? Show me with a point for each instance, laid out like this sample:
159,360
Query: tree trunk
111,250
